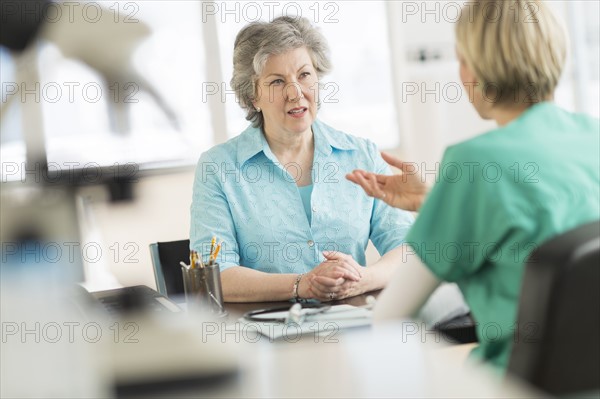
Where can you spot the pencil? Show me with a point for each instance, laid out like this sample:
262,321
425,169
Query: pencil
212,246
214,256
198,259
200,262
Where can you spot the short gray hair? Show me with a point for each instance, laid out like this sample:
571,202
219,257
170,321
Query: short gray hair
259,40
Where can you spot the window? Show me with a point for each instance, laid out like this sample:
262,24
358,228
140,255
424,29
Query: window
579,88
12,145
87,121
188,59
586,42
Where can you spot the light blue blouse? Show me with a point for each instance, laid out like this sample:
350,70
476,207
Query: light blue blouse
246,198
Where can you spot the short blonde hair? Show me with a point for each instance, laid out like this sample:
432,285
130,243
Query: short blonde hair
517,48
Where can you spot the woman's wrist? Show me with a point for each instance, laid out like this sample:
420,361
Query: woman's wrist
296,288
368,280
303,287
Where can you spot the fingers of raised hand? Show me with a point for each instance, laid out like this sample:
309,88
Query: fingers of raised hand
353,177
371,184
362,179
392,160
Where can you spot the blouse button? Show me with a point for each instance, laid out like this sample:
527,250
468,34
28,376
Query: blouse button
311,243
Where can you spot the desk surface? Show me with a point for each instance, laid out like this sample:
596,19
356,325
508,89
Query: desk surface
384,361
378,363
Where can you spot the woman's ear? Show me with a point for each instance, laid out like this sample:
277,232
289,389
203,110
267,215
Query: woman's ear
466,74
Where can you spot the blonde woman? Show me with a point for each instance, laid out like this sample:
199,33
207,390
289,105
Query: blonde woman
504,192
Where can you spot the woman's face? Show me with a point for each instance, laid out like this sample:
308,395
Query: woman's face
287,93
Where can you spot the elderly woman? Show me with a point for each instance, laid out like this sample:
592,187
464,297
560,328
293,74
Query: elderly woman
292,226
510,189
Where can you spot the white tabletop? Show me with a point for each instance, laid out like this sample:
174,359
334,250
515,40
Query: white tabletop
369,362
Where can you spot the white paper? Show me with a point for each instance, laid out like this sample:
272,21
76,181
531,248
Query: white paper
335,318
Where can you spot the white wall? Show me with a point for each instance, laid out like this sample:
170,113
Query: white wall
433,108
439,114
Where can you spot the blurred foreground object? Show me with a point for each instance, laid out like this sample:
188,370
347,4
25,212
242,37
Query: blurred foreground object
39,226
103,39
49,349
162,350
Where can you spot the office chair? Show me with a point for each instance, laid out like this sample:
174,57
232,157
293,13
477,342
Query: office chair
557,349
167,271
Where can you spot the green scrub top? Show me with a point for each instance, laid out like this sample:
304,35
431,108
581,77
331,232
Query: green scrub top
497,197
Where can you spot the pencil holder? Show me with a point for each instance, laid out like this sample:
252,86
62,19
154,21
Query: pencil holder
202,287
